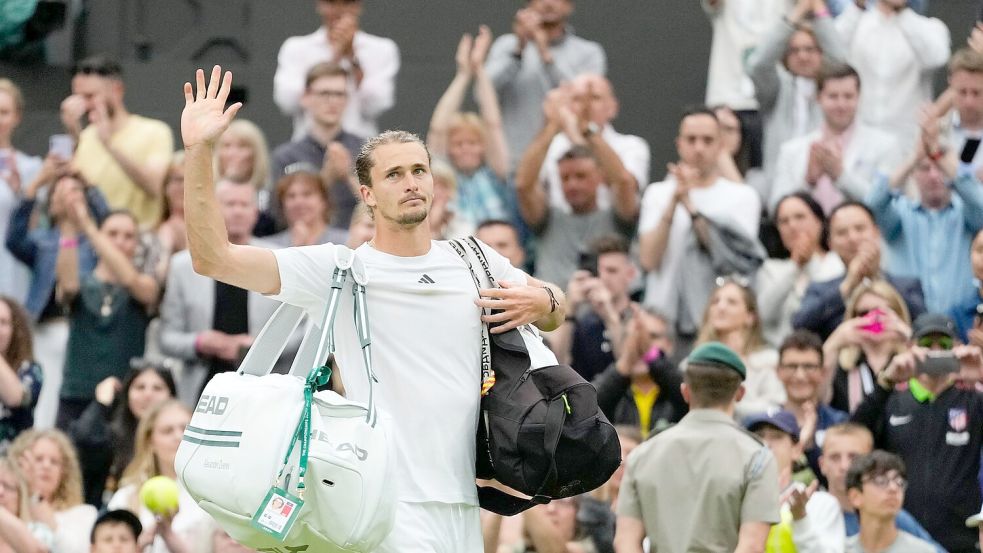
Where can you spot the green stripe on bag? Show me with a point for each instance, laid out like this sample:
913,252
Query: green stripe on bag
207,432
213,443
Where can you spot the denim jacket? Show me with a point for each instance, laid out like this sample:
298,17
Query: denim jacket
38,249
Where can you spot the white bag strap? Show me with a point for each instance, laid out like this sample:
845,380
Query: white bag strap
365,340
271,340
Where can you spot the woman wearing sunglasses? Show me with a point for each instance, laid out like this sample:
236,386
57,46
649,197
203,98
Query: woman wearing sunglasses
875,327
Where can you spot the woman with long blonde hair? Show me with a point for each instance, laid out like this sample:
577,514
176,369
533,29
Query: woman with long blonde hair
242,156
50,465
875,327
732,317
18,530
158,437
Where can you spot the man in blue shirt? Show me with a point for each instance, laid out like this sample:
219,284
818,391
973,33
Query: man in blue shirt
928,239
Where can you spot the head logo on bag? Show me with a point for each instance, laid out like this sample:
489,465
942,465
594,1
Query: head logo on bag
360,453
214,405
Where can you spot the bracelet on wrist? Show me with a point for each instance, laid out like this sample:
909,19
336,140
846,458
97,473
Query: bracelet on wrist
553,303
66,242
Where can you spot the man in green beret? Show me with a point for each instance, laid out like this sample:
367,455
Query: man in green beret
705,484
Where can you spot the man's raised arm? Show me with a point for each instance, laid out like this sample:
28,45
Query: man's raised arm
203,121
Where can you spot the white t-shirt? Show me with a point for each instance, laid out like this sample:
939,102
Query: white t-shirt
721,199
191,522
632,150
738,26
74,525
426,352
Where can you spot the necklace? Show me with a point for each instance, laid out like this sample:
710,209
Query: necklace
107,301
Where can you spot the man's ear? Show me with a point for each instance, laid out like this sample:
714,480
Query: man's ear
118,90
741,390
684,389
365,192
855,497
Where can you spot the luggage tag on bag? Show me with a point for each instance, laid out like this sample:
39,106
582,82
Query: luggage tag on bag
277,513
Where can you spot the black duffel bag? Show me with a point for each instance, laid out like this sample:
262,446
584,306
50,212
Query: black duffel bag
540,430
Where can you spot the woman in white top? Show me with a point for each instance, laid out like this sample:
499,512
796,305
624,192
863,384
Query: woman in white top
158,437
731,317
781,283
49,463
16,169
19,532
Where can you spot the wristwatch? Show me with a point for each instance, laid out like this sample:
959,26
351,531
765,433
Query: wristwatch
592,129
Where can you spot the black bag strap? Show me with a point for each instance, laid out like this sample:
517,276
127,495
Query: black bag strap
487,373
480,254
503,503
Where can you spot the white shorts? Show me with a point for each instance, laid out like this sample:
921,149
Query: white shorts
434,528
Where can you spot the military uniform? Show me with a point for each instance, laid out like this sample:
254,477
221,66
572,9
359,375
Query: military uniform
694,484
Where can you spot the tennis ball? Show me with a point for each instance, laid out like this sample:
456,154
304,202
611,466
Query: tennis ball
160,494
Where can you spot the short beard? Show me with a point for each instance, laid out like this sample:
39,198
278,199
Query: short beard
411,219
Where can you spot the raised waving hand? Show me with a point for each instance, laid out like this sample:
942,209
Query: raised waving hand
205,116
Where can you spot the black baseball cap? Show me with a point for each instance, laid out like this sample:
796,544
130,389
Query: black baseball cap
119,516
934,323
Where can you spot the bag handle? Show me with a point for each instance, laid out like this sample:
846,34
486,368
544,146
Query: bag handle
259,361
361,314
487,373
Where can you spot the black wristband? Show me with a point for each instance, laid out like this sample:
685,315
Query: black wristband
553,303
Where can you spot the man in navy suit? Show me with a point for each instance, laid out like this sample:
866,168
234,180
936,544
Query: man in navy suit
854,236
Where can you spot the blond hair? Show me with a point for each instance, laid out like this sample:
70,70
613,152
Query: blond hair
23,505
468,121
753,338
8,86
849,356
966,59
850,429
68,494
145,465
252,134
442,171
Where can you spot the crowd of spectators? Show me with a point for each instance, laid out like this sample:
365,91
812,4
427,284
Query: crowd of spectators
795,300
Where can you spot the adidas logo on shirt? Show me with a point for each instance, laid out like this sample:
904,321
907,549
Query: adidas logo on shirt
425,279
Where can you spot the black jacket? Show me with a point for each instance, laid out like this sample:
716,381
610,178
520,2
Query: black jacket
103,451
939,441
615,399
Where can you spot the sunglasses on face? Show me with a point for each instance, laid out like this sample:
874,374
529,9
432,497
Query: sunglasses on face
943,342
739,280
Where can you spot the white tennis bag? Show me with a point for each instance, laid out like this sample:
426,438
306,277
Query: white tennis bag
280,467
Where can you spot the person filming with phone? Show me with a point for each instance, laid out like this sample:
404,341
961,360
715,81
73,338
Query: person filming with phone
926,409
